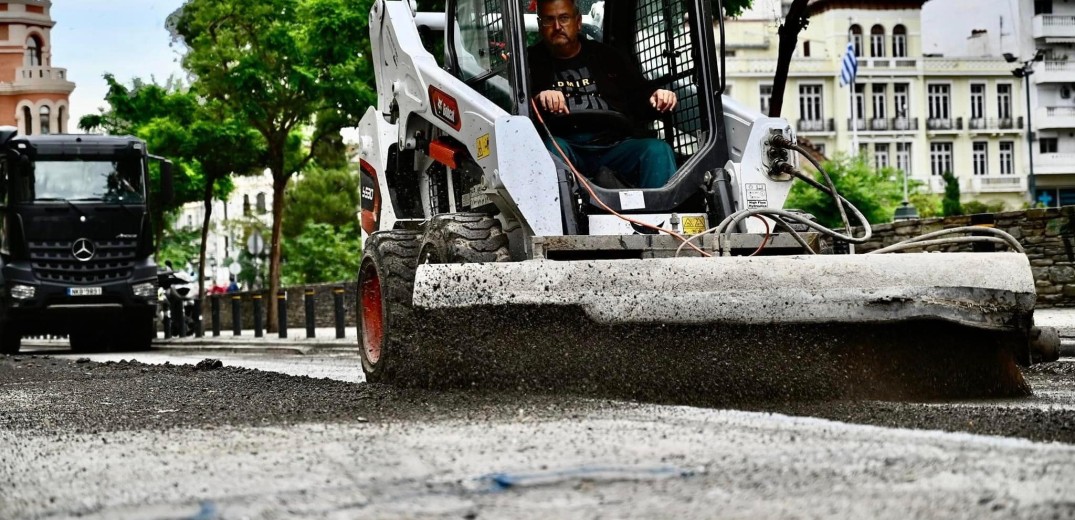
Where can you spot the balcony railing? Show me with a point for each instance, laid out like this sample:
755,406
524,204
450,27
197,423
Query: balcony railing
997,183
944,124
816,125
1054,26
1048,118
41,73
1054,163
995,123
881,124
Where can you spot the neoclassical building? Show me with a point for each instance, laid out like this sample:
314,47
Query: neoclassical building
33,94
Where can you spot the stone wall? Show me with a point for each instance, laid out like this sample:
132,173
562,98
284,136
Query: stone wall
1048,235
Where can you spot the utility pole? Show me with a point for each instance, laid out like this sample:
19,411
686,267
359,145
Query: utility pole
1024,71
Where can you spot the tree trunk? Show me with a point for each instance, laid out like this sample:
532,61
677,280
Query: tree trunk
279,182
207,201
789,36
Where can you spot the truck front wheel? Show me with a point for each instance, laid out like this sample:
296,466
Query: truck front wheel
10,339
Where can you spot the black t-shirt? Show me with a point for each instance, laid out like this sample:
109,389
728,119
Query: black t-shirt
597,78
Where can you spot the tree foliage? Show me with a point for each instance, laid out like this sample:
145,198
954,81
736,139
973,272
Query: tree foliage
950,203
876,193
322,253
278,65
327,196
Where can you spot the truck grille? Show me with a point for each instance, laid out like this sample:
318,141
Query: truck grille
55,262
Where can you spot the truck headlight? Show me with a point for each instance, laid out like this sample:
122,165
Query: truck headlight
22,292
145,290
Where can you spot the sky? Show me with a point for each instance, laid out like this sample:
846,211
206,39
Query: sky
128,38
124,37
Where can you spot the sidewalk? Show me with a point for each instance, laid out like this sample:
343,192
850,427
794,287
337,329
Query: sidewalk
296,342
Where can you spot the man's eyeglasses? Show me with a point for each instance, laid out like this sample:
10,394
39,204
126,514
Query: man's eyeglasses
562,20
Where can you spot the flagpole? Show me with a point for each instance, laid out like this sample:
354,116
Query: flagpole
854,123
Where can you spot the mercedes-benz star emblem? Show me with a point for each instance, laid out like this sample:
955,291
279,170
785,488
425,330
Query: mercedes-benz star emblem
83,249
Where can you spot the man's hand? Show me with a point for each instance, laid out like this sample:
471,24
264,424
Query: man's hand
553,101
663,100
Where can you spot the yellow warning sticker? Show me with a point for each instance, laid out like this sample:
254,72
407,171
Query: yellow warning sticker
483,146
693,225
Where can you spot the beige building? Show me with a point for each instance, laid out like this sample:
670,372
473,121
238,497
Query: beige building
922,114
33,93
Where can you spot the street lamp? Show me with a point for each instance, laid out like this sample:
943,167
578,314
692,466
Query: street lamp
906,211
1024,71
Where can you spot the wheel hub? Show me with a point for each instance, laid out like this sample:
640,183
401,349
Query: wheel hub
372,317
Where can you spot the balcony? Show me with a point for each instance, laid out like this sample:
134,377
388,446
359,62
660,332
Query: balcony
944,125
902,63
807,126
1054,163
1049,118
881,124
994,124
1053,72
34,74
1054,26
904,124
997,184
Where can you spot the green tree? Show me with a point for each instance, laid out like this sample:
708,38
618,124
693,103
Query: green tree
322,196
322,253
276,65
207,143
876,193
950,204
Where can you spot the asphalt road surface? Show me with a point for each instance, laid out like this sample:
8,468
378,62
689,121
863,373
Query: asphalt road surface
302,436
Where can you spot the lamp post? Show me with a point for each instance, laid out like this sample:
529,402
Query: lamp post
1024,71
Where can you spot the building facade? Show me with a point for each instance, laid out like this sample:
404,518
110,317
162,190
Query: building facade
33,94
925,115
1048,26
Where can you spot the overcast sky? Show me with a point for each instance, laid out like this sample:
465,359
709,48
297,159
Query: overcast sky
124,37
128,39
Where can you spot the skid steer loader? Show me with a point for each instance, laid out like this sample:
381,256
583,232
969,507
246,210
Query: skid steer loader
489,261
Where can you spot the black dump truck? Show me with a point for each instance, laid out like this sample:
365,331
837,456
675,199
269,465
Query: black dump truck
77,248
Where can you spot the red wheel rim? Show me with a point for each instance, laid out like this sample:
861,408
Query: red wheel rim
372,317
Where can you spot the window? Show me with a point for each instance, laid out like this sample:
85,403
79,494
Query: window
27,121
1043,6
903,157
261,204
939,102
979,157
246,205
856,38
977,100
1007,159
806,48
765,92
33,52
880,155
879,98
901,100
877,41
1004,100
45,112
478,43
899,41
59,119
860,101
1047,145
940,158
810,102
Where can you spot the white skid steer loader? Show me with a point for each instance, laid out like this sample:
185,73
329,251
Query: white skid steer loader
489,261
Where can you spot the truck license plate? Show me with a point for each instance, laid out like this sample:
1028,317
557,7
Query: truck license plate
83,291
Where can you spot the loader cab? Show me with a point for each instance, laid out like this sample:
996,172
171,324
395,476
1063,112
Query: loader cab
670,41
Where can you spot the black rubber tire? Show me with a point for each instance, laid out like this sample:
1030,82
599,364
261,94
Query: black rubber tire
463,238
10,339
389,259
87,341
137,334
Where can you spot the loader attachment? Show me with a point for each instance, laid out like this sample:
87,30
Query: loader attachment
717,331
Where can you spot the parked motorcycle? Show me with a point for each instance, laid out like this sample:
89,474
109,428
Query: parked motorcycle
176,301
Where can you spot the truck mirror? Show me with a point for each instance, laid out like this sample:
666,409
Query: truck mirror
167,183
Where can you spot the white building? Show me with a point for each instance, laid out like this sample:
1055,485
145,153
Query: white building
920,112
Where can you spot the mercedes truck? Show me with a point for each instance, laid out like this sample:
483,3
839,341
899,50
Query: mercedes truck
77,250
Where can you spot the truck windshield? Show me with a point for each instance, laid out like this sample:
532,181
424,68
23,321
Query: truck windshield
106,180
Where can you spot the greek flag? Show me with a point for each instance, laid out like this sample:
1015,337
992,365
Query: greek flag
850,67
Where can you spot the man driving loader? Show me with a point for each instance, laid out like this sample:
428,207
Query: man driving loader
591,98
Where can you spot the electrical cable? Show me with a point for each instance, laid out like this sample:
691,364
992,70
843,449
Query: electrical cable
579,178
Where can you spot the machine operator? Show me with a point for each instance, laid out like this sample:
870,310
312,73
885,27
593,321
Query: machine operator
572,75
